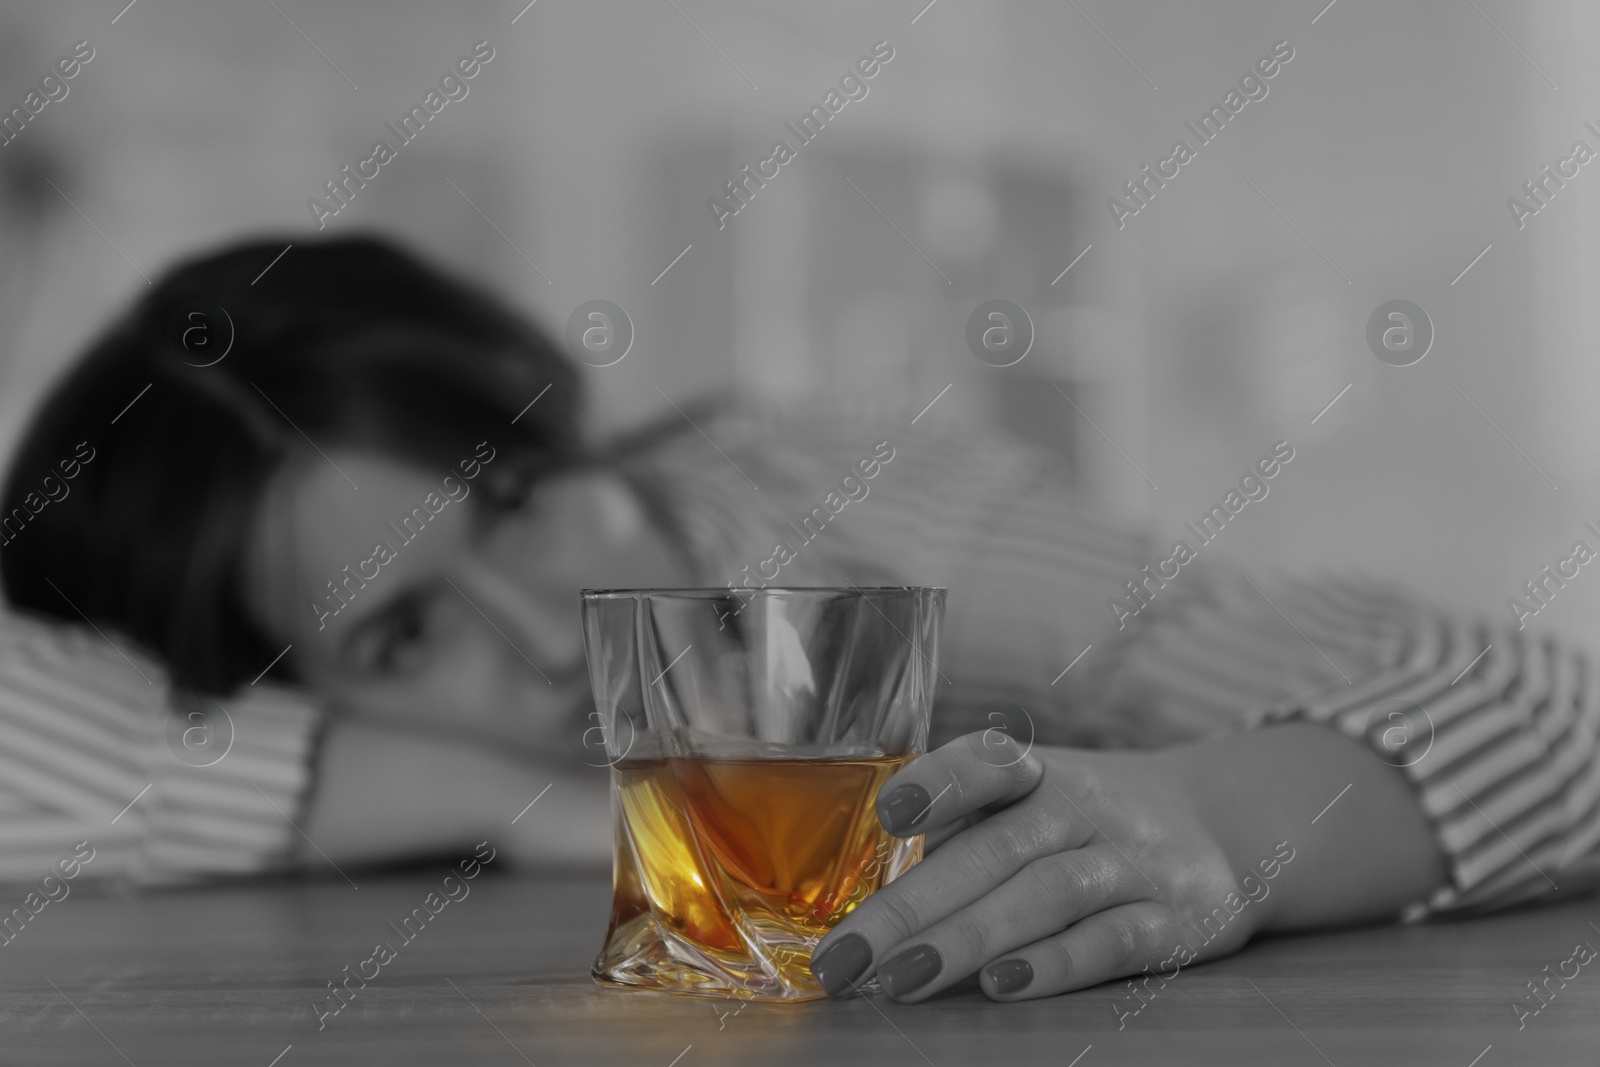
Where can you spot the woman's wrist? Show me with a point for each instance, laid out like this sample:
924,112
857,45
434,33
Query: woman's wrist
1362,848
1218,779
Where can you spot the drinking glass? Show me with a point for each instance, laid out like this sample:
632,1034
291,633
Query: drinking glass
748,732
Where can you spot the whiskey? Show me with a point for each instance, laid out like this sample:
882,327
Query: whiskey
729,871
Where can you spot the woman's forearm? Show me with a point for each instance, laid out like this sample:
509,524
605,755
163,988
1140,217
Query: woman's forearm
1364,858
385,794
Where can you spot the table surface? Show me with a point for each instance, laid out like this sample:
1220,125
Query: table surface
228,976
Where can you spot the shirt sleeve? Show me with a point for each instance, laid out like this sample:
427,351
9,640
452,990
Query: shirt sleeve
236,801
93,750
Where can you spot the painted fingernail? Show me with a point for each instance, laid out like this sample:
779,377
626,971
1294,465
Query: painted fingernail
841,964
910,971
1009,976
906,807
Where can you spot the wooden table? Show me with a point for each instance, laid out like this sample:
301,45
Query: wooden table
501,977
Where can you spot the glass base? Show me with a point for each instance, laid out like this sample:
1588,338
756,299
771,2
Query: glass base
639,955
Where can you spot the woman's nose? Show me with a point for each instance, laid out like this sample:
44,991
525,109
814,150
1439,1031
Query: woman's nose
542,626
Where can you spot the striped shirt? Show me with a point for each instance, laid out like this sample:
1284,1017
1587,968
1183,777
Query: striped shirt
1499,746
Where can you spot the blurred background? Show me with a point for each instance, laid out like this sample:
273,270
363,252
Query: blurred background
1225,316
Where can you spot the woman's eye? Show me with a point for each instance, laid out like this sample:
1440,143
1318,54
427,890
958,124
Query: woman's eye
515,516
510,491
403,644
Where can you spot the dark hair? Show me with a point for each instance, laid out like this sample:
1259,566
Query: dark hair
171,437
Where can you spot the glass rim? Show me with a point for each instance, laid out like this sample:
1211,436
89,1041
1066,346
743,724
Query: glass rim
690,592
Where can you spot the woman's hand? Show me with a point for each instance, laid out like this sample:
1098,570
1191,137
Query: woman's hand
1087,867
1063,868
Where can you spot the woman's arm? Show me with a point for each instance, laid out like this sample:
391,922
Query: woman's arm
385,794
1367,855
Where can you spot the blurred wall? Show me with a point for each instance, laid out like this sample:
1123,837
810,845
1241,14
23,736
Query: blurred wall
1221,318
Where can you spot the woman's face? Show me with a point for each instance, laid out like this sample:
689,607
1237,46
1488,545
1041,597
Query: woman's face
467,622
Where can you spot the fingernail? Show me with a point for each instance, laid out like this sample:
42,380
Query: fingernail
910,971
1009,976
906,807
841,964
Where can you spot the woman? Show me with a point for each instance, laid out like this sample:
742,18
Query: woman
371,481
